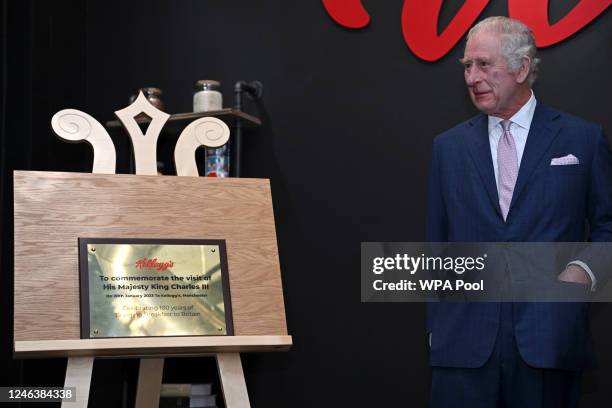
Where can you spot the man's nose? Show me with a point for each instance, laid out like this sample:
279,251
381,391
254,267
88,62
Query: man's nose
472,76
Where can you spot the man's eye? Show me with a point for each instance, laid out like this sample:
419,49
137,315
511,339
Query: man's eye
467,65
483,64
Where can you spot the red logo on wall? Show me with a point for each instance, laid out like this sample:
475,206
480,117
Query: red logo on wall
145,263
420,21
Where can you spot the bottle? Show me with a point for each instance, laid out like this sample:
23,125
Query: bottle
153,95
206,97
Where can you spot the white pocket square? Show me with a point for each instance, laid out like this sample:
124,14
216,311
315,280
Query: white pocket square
565,160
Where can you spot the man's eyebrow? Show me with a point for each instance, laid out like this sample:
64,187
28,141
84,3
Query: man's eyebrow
476,60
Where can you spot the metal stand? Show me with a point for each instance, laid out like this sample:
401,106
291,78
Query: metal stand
254,90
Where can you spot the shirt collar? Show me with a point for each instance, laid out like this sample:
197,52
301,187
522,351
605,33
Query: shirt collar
522,118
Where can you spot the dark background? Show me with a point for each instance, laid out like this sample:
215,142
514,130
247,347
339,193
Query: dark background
349,117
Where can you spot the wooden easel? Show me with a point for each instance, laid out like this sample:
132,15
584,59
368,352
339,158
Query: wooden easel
60,191
230,373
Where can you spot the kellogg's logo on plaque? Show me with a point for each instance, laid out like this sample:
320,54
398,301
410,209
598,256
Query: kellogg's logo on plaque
150,287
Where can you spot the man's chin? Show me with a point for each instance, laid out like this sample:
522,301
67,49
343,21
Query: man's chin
484,108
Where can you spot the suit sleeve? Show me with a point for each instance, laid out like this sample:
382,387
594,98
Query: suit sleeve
436,219
599,207
600,192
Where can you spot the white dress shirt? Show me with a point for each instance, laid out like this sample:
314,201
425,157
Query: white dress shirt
520,123
519,128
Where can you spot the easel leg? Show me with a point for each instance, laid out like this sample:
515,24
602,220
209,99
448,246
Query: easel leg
232,380
78,375
149,382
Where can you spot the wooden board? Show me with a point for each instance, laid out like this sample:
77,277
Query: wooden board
53,209
151,346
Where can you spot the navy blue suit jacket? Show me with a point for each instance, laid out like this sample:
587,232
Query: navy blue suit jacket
549,204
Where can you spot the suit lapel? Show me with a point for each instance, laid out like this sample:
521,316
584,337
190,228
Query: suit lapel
542,132
480,150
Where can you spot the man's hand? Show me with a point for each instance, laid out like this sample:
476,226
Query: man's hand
575,274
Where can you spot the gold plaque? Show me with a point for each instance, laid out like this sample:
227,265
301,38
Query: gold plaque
138,287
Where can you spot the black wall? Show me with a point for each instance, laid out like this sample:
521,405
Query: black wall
349,117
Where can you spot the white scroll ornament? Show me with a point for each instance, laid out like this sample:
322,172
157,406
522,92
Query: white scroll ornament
208,132
75,126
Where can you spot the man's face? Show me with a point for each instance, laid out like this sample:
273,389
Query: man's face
493,88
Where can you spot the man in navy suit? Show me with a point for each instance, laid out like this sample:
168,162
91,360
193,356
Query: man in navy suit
523,172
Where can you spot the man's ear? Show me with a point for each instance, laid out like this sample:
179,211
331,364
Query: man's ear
523,71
